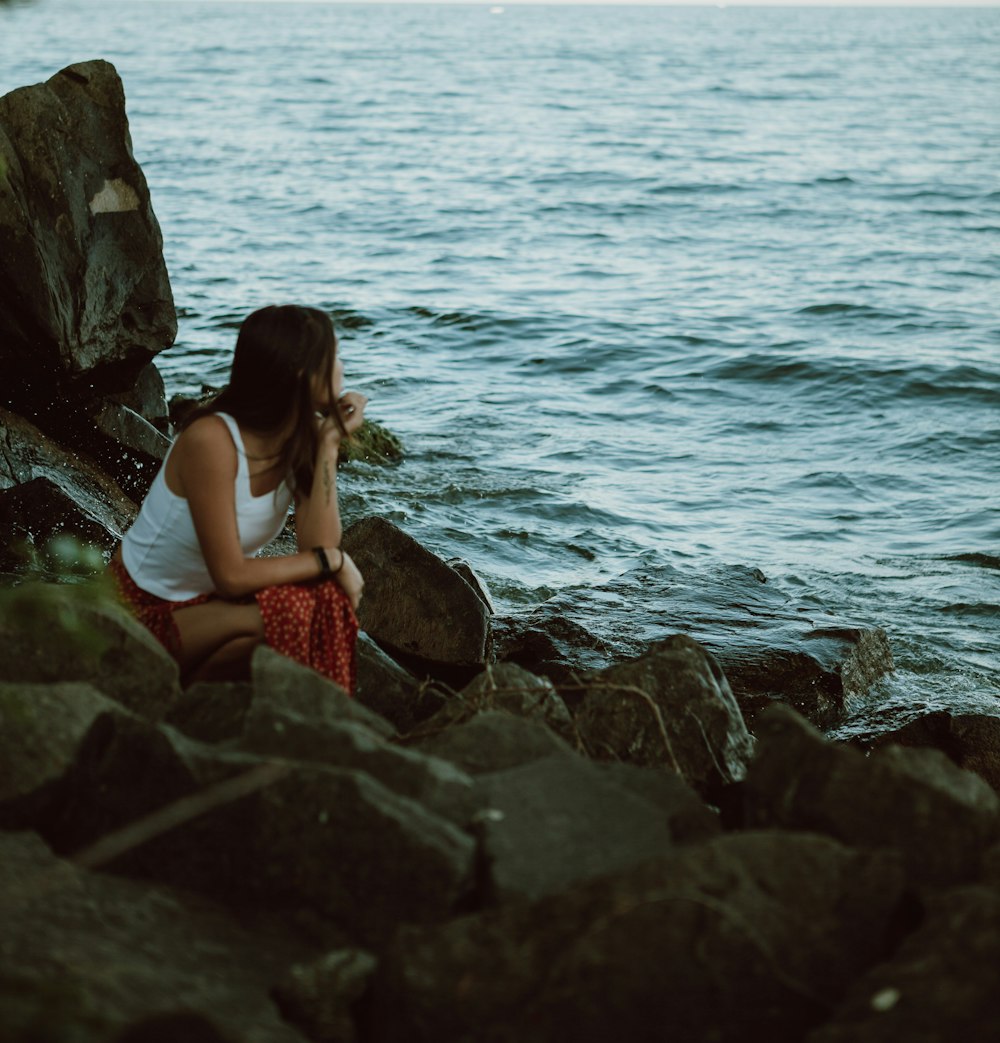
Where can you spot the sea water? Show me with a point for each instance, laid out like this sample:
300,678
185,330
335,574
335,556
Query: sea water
633,284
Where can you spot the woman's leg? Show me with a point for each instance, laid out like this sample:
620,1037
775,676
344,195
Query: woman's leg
217,637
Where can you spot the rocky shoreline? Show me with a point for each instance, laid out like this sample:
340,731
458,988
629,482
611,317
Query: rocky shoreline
532,828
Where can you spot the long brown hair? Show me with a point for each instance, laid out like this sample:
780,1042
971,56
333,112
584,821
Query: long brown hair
281,352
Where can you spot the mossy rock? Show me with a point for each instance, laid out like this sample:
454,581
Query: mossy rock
372,444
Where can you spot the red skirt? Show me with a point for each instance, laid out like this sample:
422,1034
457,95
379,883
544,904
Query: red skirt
312,623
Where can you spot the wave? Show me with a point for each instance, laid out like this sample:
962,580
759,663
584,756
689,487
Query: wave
980,560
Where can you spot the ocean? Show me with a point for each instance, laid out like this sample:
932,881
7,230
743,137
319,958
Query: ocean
634,285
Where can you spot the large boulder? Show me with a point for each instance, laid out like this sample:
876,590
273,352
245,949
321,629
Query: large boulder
390,690
746,936
970,740
333,843
939,818
91,957
51,633
770,646
415,605
555,822
85,301
941,984
672,708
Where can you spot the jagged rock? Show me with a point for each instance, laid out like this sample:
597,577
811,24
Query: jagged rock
507,687
746,936
941,984
148,398
769,646
414,605
432,782
372,444
390,690
38,511
72,494
290,687
212,711
970,740
468,573
492,741
105,956
85,301
127,446
939,818
555,822
51,633
671,707
41,729
332,842
319,997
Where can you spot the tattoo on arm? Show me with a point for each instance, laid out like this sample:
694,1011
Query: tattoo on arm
327,481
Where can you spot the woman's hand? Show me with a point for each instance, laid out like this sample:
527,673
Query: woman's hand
351,407
351,581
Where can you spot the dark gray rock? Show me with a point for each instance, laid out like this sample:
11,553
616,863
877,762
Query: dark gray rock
941,984
672,708
97,957
555,822
212,711
747,936
319,997
769,646
492,741
129,448
41,729
85,301
289,687
415,605
970,740
51,633
148,398
390,690
83,502
511,689
939,818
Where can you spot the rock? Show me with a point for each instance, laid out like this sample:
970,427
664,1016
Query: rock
747,936
555,822
672,708
390,690
41,729
941,984
38,511
212,711
86,301
128,447
466,571
148,398
319,997
414,605
106,955
434,783
769,646
970,740
492,741
290,687
372,444
84,500
507,687
51,633
334,843
939,818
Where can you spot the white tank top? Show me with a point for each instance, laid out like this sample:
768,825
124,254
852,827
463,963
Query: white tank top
161,550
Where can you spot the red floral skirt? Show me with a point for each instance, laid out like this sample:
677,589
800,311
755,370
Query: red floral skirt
312,623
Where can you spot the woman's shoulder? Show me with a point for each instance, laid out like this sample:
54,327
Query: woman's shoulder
208,435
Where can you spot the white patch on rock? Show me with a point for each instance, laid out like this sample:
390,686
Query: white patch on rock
885,1000
115,197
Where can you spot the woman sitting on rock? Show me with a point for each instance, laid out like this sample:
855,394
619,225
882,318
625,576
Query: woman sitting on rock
187,566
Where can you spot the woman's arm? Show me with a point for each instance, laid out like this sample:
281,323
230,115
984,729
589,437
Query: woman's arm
317,516
205,474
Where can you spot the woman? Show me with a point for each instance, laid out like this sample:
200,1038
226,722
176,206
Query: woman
187,567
